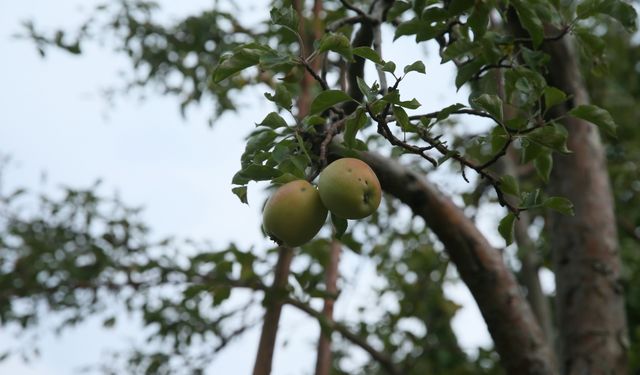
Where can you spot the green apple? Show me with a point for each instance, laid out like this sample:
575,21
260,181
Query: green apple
350,189
294,214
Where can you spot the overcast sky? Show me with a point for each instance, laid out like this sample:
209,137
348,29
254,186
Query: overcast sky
53,120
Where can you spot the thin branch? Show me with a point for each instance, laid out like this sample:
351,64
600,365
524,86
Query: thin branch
315,75
384,360
345,21
350,6
564,31
479,169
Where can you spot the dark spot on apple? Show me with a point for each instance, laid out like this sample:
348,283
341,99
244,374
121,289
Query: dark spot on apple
303,189
365,198
349,170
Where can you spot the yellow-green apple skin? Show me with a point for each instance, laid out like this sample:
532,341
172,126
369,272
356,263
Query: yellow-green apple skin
294,214
350,189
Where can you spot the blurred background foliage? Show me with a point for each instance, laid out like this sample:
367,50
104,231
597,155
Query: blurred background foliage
80,253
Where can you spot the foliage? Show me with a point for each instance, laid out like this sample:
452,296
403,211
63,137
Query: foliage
76,255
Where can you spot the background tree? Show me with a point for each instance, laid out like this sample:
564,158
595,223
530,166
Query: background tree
536,74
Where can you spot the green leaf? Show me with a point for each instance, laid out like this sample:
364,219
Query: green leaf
525,82
551,136
394,98
282,97
368,92
285,16
337,43
402,119
553,96
369,54
506,227
353,124
397,9
411,104
220,294
530,21
241,192
328,99
389,66
417,66
597,116
410,27
467,71
591,43
479,19
255,172
458,49
339,225
509,185
241,58
532,199
284,178
259,140
530,151
560,204
313,120
447,111
618,9
543,164
273,121
490,103
459,6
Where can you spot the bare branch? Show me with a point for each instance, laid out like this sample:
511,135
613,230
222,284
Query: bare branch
380,357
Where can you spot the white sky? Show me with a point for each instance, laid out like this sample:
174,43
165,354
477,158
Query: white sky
53,120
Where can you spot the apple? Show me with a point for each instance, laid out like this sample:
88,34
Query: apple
294,214
350,189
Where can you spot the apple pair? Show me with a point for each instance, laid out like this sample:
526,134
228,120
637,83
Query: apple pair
297,210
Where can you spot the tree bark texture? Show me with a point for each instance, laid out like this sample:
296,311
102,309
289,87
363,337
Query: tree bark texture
264,358
511,322
590,302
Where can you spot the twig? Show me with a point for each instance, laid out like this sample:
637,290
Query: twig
313,73
479,169
345,21
384,360
350,6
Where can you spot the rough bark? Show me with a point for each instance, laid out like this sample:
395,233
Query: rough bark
264,358
323,362
591,318
510,320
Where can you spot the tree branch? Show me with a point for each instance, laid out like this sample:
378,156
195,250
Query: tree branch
380,357
274,303
323,361
513,327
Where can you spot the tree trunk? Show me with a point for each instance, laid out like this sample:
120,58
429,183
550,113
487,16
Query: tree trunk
591,317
